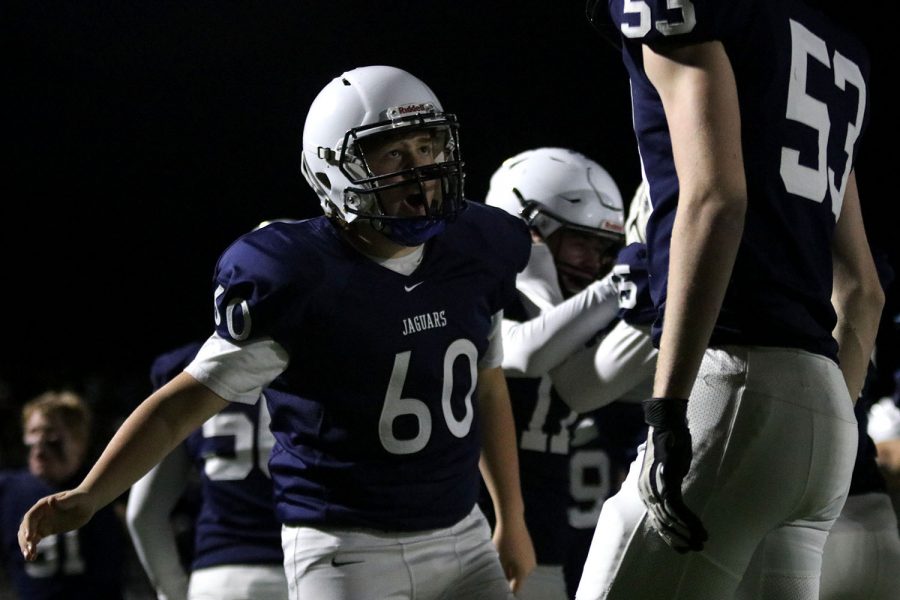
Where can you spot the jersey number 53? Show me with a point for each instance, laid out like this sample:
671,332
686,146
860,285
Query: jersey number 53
813,182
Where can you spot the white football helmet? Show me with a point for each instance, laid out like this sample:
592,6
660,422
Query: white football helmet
553,187
373,101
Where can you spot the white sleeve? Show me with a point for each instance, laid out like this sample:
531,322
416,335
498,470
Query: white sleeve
620,367
238,373
493,357
534,347
150,502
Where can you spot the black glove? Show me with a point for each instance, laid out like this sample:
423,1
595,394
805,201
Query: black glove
667,459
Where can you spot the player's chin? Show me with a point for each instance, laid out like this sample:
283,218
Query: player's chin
410,207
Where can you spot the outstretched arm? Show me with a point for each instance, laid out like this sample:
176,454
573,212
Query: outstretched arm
535,346
155,427
500,470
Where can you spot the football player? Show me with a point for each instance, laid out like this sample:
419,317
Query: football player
565,297
618,366
863,538
84,562
756,254
375,331
237,540
616,375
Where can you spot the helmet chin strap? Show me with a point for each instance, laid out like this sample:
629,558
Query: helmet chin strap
412,232
407,232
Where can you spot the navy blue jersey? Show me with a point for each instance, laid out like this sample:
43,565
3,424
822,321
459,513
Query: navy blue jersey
597,469
236,524
802,89
83,563
635,304
374,417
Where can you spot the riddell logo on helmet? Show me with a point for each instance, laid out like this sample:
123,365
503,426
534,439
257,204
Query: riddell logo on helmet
611,226
411,108
396,112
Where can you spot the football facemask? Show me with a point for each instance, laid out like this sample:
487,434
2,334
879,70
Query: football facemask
406,179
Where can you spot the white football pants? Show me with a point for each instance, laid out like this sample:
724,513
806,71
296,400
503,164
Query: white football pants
238,582
774,441
545,582
334,563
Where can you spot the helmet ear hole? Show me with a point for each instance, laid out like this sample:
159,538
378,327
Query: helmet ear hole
323,179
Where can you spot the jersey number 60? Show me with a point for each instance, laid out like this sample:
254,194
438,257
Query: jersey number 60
396,406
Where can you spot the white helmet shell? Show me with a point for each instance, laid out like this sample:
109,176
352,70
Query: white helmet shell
363,102
555,187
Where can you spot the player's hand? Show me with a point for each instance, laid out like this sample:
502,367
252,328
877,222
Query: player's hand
667,459
516,552
53,514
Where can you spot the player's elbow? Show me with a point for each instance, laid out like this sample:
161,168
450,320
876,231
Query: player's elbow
861,295
534,368
721,209
581,403
875,299
575,399
581,398
524,364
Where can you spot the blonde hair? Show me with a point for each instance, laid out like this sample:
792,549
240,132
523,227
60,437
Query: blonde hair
68,406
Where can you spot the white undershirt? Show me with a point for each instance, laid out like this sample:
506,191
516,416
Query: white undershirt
404,265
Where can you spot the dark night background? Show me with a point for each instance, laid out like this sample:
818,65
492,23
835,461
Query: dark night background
142,137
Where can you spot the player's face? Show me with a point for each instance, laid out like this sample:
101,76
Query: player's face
580,258
54,453
390,154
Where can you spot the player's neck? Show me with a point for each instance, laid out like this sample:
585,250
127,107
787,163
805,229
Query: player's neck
367,240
